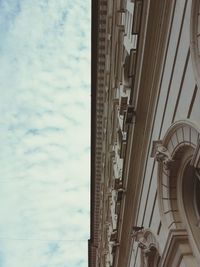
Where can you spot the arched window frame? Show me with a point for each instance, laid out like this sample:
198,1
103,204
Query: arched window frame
179,147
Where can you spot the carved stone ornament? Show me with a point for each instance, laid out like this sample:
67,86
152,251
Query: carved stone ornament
148,245
161,154
144,239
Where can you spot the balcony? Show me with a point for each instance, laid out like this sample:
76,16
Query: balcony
122,137
130,115
123,104
113,237
117,184
137,16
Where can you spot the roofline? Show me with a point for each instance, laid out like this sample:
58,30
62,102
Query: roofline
94,51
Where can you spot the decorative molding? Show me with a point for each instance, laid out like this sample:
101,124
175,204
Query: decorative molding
99,12
177,249
181,137
182,144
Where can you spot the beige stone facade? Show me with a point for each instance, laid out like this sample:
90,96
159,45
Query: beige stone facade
145,158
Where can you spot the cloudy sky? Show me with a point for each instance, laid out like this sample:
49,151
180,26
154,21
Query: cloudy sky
44,132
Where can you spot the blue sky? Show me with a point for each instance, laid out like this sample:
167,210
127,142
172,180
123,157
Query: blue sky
44,132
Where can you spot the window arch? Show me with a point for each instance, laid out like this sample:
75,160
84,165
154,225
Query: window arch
178,156
191,203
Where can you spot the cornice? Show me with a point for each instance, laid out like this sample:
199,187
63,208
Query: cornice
99,11
102,54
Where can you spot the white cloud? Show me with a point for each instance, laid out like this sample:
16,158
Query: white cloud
44,132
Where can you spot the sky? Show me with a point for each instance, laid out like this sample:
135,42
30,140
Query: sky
44,132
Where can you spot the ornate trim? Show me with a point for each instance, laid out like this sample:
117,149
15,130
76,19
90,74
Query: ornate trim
176,249
181,145
181,136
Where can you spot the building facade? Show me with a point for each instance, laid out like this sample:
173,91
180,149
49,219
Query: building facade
145,139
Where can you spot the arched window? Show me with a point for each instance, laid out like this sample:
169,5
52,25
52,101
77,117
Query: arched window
178,156
191,202
197,195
